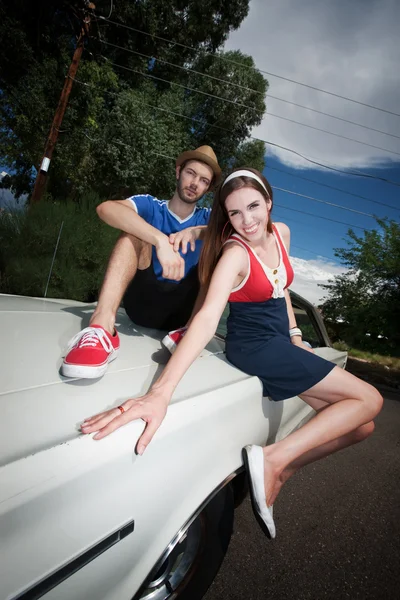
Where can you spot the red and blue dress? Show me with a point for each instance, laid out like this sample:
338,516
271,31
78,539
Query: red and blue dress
258,340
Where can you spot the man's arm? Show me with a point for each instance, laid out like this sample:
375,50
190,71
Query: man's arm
122,215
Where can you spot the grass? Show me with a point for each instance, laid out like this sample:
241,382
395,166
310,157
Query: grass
388,361
375,368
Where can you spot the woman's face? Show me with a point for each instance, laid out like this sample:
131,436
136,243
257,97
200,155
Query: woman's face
248,213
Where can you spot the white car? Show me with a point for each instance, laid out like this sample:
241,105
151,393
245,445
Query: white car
90,520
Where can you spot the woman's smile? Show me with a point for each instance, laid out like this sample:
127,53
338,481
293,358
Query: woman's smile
252,229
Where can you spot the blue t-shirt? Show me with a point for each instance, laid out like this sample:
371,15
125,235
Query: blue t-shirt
157,213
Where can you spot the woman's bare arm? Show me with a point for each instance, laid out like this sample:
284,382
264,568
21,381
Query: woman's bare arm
205,323
295,339
152,407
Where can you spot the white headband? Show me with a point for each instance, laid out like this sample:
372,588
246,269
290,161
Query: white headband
245,173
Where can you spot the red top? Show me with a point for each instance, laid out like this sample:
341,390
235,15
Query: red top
261,282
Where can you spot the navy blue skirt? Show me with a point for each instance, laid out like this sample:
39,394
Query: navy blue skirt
258,343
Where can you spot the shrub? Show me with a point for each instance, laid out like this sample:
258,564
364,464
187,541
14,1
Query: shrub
340,345
29,240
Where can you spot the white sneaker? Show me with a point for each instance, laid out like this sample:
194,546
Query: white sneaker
253,457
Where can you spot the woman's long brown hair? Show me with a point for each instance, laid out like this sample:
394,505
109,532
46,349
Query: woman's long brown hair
219,227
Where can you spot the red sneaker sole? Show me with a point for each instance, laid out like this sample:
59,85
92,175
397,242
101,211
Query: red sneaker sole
86,371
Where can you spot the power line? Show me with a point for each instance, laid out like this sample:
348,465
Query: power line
306,225
311,87
337,170
196,50
119,142
149,75
312,252
243,87
344,137
186,87
320,217
280,189
166,62
331,187
315,162
359,212
321,112
275,203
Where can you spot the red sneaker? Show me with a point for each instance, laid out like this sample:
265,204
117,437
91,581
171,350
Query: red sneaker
89,353
173,338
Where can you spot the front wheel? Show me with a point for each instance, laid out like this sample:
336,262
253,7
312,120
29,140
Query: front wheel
190,566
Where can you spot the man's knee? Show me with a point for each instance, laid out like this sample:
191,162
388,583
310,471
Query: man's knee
129,242
135,248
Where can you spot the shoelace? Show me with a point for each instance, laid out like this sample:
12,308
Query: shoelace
91,336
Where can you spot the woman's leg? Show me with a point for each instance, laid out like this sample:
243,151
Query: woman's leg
354,437
350,404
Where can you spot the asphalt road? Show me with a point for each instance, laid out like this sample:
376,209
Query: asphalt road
338,529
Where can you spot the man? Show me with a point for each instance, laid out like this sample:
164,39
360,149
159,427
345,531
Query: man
153,266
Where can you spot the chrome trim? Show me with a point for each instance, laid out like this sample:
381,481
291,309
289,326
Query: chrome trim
39,589
182,531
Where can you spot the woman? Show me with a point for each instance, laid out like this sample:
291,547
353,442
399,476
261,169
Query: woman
245,261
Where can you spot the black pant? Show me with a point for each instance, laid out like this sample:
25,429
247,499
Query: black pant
161,304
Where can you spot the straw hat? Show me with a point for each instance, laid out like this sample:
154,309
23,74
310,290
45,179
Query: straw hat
204,154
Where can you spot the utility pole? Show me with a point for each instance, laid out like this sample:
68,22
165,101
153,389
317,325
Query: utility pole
41,177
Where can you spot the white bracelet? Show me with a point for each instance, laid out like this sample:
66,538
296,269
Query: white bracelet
295,331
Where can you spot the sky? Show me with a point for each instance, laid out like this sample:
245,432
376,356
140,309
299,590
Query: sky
352,50
6,196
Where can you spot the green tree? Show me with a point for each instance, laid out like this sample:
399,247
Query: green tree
137,144
204,25
229,103
366,299
117,134
250,154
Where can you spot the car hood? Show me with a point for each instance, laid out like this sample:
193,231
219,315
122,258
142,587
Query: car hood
40,408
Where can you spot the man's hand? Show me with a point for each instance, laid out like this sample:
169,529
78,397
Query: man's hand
151,408
172,262
186,237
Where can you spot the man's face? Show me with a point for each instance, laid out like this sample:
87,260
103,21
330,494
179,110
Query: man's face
194,180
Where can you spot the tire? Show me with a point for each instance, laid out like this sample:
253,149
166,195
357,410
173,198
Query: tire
190,568
240,486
